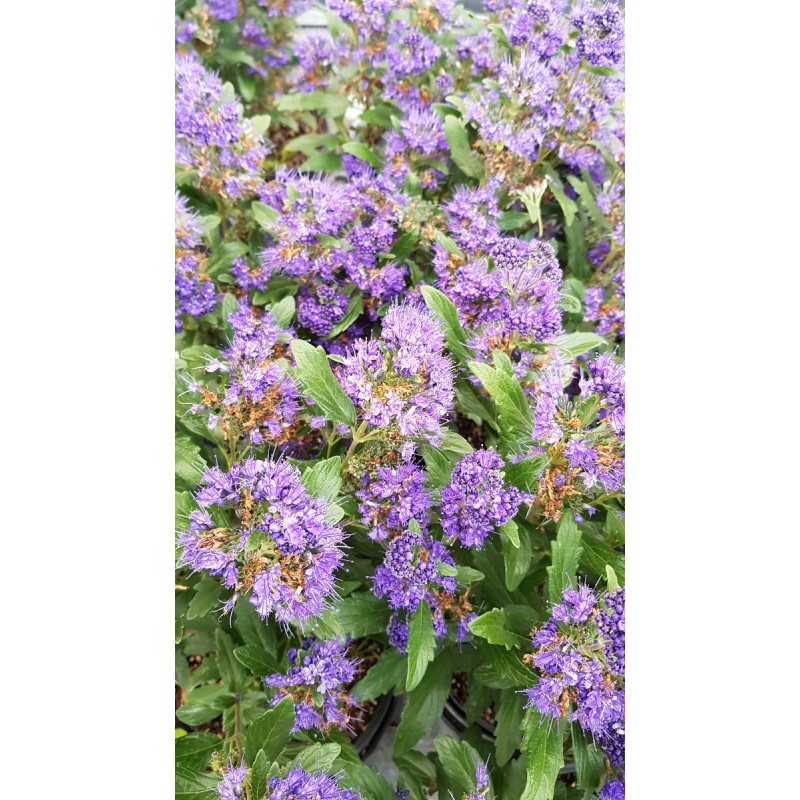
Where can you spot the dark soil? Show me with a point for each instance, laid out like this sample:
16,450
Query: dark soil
459,690
469,430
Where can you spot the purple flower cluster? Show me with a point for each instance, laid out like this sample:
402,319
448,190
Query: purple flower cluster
391,499
258,401
194,293
419,146
580,655
584,440
477,501
230,787
301,785
607,308
211,135
259,529
402,380
545,102
329,235
318,674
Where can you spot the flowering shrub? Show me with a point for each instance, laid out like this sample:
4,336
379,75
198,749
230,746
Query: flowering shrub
400,432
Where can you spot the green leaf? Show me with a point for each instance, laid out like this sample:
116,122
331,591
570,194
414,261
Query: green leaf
362,151
611,579
509,718
205,599
596,557
517,560
259,775
570,304
424,704
502,669
402,248
382,677
317,756
266,216
188,463
511,220
310,142
576,344
270,732
495,627
368,780
192,785
197,714
438,467
223,256
467,575
283,311
459,760
566,552
421,644
615,526
360,614
509,531
230,305
445,312
460,149
194,750
322,162
589,760
354,310
260,123
324,479
319,383
513,411
333,105
230,669
544,755
256,659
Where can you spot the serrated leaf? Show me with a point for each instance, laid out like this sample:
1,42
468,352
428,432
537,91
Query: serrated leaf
460,150
206,599
544,755
360,614
445,313
256,659
495,627
566,552
189,465
509,531
319,383
382,677
223,256
192,785
467,575
259,775
318,757
459,761
525,474
421,645
502,669
438,467
370,782
270,732
596,557
324,479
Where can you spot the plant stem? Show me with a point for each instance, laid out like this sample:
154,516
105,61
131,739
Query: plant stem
237,733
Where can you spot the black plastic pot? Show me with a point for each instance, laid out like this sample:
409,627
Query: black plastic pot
368,739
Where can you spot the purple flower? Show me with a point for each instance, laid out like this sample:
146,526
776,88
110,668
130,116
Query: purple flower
301,785
613,790
602,34
391,499
582,664
316,680
402,380
195,293
257,401
230,787
476,501
260,530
